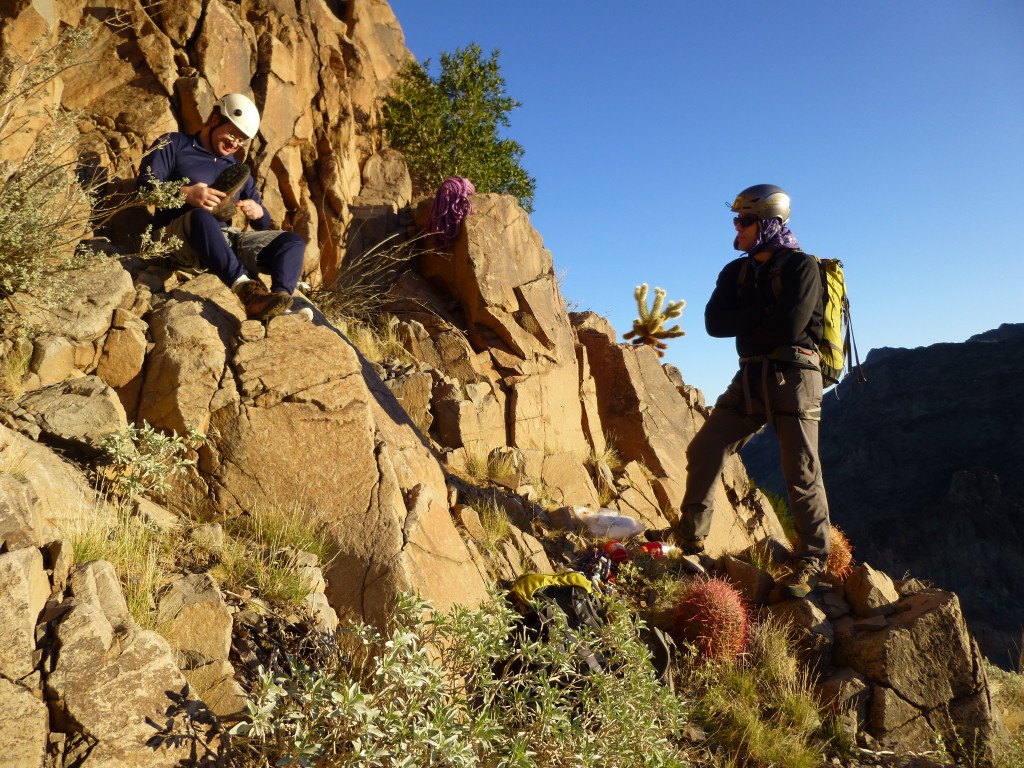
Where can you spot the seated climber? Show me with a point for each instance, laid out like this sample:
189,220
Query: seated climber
215,185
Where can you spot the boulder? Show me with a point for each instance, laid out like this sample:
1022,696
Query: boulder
53,359
812,634
926,671
124,350
21,525
191,335
119,685
79,412
63,497
24,590
24,724
752,582
195,618
93,295
870,592
503,279
314,425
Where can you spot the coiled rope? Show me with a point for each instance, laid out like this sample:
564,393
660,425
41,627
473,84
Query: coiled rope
451,207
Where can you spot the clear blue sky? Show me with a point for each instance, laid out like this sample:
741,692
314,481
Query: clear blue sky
896,127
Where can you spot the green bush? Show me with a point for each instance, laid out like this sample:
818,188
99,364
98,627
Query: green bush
141,460
450,125
435,691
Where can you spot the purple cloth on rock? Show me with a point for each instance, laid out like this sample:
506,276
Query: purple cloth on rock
451,207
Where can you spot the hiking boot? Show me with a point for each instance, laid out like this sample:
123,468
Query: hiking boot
229,182
802,578
260,303
670,536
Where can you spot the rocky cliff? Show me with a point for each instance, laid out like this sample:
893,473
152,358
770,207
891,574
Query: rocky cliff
378,454
922,466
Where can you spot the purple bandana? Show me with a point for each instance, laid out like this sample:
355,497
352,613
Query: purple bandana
772,235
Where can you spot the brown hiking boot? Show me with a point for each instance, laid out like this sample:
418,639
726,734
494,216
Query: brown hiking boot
229,182
802,578
670,536
261,304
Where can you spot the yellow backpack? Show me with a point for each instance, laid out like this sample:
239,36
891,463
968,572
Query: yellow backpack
837,345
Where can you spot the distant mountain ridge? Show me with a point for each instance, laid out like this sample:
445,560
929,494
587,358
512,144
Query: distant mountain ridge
923,470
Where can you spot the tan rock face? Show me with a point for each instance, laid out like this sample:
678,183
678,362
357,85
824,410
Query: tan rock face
311,428
93,295
79,411
503,278
62,495
196,618
24,589
117,683
185,368
24,724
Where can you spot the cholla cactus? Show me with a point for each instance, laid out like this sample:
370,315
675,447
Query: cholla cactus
648,329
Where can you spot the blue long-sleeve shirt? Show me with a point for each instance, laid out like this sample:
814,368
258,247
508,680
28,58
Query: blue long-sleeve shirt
184,157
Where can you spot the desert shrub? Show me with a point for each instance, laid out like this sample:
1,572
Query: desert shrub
451,125
52,193
432,691
142,459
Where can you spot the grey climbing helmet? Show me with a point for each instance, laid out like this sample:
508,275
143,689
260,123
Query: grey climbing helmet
766,201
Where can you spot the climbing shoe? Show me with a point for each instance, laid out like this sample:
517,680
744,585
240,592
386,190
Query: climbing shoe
260,303
802,578
229,182
669,536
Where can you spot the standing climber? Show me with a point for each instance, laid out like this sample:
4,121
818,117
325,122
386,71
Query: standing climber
770,301
212,179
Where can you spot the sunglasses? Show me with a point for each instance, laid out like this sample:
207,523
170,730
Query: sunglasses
232,138
744,221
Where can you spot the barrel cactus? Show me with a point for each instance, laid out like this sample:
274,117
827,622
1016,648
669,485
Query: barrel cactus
714,618
840,557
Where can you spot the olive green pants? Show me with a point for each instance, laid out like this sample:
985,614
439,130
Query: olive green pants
794,399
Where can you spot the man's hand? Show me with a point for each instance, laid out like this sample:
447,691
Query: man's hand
251,209
200,195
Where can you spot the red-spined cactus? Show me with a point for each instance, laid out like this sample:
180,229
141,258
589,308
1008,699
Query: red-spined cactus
840,557
714,618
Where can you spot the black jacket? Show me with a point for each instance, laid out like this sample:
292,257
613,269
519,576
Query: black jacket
744,303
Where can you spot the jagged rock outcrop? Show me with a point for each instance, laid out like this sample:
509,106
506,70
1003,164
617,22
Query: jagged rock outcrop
315,69
894,663
922,467
294,415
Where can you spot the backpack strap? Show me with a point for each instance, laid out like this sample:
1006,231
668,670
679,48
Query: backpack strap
850,344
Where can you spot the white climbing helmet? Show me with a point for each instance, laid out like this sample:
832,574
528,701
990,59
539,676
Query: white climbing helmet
241,112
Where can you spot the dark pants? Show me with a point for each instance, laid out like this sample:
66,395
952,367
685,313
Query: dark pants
795,404
229,252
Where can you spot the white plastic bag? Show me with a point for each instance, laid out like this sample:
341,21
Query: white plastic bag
608,523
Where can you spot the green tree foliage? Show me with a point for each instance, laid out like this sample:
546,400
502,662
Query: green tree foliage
450,125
